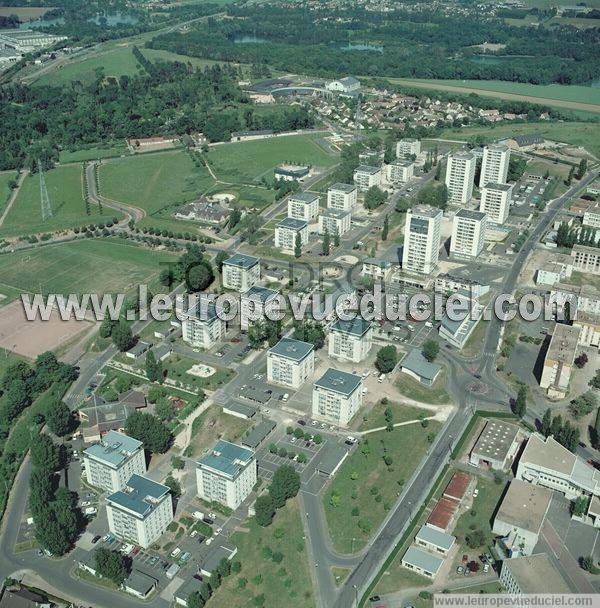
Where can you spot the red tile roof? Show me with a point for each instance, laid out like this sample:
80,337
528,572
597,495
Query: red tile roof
442,514
458,485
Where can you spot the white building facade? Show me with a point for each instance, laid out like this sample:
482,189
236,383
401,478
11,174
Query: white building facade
460,174
468,233
342,197
334,222
408,147
420,253
290,362
241,272
350,340
495,201
494,165
201,326
303,206
286,233
337,396
400,171
366,176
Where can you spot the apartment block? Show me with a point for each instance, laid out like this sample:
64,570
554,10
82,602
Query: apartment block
334,221
241,272
558,363
290,362
591,217
377,269
256,303
468,233
400,171
407,147
337,396
201,326
495,201
303,206
342,196
366,176
494,165
460,173
227,474
140,512
110,463
421,239
350,340
286,233
586,259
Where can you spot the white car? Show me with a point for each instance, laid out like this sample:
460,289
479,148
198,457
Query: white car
212,516
209,540
475,492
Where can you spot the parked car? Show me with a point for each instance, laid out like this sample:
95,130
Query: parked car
175,552
96,539
486,567
460,570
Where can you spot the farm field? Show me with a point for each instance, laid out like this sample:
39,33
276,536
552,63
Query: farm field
564,96
23,12
248,162
85,266
365,487
286,583
574,21
65,189
96,152
576,133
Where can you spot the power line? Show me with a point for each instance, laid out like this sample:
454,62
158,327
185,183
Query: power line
44,198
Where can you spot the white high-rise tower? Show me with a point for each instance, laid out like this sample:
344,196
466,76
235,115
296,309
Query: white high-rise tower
460,174
494,166
422,239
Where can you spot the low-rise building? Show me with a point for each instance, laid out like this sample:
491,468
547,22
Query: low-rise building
452,283
227,474
468,233
342,196
459,327
497,445
591,217
349,85
567,301
366,176
334,222
241,272
110,463
554,271
435,541
337,396
201,325
350,339
408,147
377,269
586,259
140,512
303,206
400,171
290,362
589,324
547,463
291,173
422,562
139,584
532,574
520,517
287,231
558,363
419,368
495,202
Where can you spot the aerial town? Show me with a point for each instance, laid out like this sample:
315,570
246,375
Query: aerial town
277,337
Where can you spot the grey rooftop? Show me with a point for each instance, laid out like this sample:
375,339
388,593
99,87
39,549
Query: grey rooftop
339,382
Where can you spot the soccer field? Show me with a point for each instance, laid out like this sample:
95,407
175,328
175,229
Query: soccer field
247,162
65,190
85,266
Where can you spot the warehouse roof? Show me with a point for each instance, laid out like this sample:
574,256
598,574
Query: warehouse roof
536,574
495,440
525,505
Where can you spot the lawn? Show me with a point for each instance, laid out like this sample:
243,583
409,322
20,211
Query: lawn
419,392
84,266
160,55
5,178
65,190
247,162
402,413
153,182
286,583
117,148
586,134
365,487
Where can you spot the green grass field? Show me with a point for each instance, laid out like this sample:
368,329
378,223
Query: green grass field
153,181
402,413
159,54
65,189
85,266
286,583
352,507
93,153
5,178
247,162
586,134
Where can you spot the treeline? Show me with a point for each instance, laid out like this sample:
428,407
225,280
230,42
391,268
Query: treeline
582,235
423,44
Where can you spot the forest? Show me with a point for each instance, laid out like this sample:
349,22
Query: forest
411,44
170,98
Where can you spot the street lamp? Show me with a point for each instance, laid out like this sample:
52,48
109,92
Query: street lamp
355,595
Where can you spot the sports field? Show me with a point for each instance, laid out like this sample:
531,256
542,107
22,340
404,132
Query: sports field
580,98
247,162
85,266
65,190
576,133
153,181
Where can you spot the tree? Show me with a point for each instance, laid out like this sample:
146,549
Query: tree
285,484
173,485
106,327
310,331
122,336
264,510
200,277
45,454
581,170
221,257
59,418
194,600
431,350
546,423
149,430
154,370
374,197
336,238
326,242
595,381
581,361
386,359
475,539
595,434
583,405
520,404
111,565
164,409
386,227
579,506
298,245
569,179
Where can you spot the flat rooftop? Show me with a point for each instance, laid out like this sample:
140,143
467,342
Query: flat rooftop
462,155
495,440
563,344
296,350
416,363
292,223
427,211
525,505
140,495
340,187
435,537
548,454
498,186
536,574
423,559
357,327
262,294
339,382
241,260
227,458
367,169
457,486
257,435
304,197
338,214
114,449
470,214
